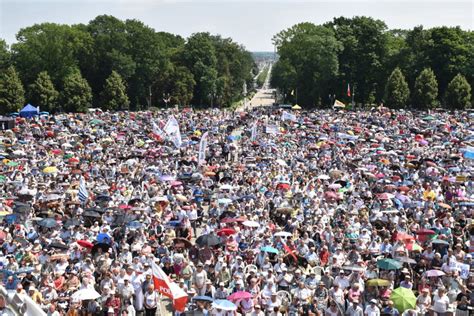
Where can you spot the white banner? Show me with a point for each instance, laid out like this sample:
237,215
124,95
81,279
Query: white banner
461,267
272,129
202,149
286,116
172,130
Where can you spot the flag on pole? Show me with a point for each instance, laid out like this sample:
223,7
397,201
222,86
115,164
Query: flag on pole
292,92
83,194
290,251
285,116
254,131
157,132
202,149
339,104
348,90
168,288
172,130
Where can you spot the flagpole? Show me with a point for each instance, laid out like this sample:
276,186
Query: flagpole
353,93
296,90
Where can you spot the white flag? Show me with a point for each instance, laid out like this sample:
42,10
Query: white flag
272,129
172,130
202,149
285,116
253,137
157,130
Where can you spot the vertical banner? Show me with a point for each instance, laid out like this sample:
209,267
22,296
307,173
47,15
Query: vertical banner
202,149
253,137
172,130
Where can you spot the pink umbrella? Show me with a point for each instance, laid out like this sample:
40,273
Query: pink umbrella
335,186
434,273
240,295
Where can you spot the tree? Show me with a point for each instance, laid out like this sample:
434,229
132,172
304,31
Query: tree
49,47
396,90
12,94
42,92
308,62
114,95
426,89
5,57
458,93
76,94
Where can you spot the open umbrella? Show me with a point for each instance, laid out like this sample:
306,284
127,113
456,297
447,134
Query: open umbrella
353,268
406,260
283,234
403,236
434,273
182,242
105,247
203,298
440,242
403,299
389,264
269,249
378,282
224,305
240,295
226,232
85,294
49,170
425,232
208,240
253,224
85,243
232,220
48,223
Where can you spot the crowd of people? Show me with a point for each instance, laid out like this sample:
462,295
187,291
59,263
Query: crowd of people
281,213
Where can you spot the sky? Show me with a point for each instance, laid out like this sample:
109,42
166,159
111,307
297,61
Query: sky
251,23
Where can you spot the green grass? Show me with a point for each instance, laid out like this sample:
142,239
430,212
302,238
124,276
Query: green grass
262,76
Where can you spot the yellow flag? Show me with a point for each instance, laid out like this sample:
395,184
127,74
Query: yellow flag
339,104
292,92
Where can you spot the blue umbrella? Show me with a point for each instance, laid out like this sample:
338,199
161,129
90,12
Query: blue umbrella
203,298
269,249
12,218
135,225
103,238
48,223
25,270
224,305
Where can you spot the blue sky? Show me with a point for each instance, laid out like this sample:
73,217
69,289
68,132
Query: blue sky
251,23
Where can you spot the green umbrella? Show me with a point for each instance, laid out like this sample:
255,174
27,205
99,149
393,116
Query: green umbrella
403,299
389,264
429,118
96,122
3,178
12,164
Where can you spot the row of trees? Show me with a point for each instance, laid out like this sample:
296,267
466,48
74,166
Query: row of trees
115,64
420,67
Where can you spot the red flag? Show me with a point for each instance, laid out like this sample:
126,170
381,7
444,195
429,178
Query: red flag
168,288
290,251
348,90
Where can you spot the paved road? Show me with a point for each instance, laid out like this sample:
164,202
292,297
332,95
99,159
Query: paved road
263,97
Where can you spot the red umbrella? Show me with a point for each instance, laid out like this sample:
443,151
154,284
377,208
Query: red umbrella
73,160
232,220
85,243
240,295
226,231
283,186
404,188
403,236
425,232
57,151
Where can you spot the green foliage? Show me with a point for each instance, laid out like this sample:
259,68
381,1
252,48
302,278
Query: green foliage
49,47
5,56
42,93
77,94
12,94
396,90
114,95
458,93
426,90
308,62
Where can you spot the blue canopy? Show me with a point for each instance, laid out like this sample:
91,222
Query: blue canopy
29,111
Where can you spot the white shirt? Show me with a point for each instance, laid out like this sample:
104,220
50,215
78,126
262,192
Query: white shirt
372,311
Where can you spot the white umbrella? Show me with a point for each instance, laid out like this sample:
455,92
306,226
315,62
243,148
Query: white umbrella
226,187
86,294
283,234
251,224
224,305
324,177
281,162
